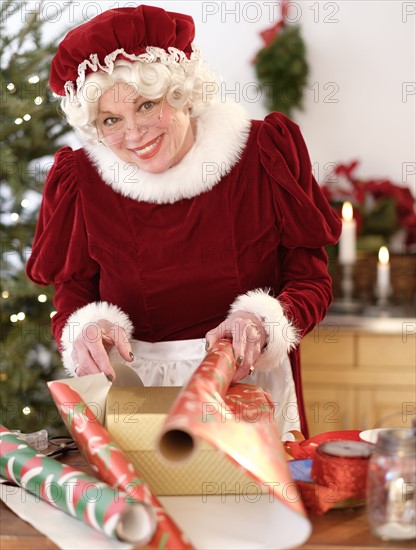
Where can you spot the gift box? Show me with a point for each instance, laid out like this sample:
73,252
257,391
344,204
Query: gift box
135,417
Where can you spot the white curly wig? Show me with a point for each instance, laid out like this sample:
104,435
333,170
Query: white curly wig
194,84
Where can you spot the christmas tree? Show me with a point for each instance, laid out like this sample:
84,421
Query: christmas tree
30,134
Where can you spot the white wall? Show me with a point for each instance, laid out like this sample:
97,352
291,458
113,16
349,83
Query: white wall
363,51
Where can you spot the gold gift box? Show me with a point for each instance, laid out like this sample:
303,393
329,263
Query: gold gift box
134,418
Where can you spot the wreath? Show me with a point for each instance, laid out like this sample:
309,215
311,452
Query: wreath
281,66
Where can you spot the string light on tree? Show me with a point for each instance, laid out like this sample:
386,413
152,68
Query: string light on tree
26,410
38,100
14,216
25,203
33,80
42,298
5,294
26,117
18,121
17,317
11,87
52,313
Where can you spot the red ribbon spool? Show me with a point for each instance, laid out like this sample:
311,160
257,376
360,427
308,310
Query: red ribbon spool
306,448
339,471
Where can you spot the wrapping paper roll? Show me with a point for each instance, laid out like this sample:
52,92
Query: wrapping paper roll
111,464
79,495
203,395
237,420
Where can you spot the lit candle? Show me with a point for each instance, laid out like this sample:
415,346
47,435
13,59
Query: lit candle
347,242
383,273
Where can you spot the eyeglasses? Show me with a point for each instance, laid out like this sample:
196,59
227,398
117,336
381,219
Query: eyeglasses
150,119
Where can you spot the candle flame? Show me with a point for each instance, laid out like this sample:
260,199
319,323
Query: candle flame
347,211
383,255
399,483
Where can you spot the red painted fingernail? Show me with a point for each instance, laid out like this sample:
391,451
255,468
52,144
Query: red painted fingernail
131,356
110,377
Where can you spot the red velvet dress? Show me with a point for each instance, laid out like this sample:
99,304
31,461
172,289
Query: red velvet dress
176,268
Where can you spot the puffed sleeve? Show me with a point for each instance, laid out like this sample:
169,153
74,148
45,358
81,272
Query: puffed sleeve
60,256
59,251
307,224
307,218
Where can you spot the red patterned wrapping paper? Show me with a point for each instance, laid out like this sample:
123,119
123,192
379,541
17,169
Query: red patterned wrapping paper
102,507
237,420
111,464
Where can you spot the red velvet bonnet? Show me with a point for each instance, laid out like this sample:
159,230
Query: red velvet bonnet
144,33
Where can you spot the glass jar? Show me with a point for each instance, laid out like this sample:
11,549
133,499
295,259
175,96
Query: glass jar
391,489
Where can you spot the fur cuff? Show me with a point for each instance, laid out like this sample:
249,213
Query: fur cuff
84,317
282,334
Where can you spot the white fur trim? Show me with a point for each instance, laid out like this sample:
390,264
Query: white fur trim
221,135
151,55
85,316
282,334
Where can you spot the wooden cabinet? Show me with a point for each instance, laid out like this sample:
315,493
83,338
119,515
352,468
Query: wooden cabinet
359,377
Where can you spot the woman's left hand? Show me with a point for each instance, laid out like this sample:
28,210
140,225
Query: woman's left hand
248,337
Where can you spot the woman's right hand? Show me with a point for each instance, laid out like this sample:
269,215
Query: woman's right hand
91,347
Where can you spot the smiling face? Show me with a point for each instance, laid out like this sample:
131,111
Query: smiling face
161,142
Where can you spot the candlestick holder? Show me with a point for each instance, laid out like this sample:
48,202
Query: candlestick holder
347,304
383,306
383,294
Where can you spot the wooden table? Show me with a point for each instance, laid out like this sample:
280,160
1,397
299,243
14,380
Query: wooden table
336,530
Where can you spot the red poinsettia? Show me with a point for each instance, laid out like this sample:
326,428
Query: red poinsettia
380,206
